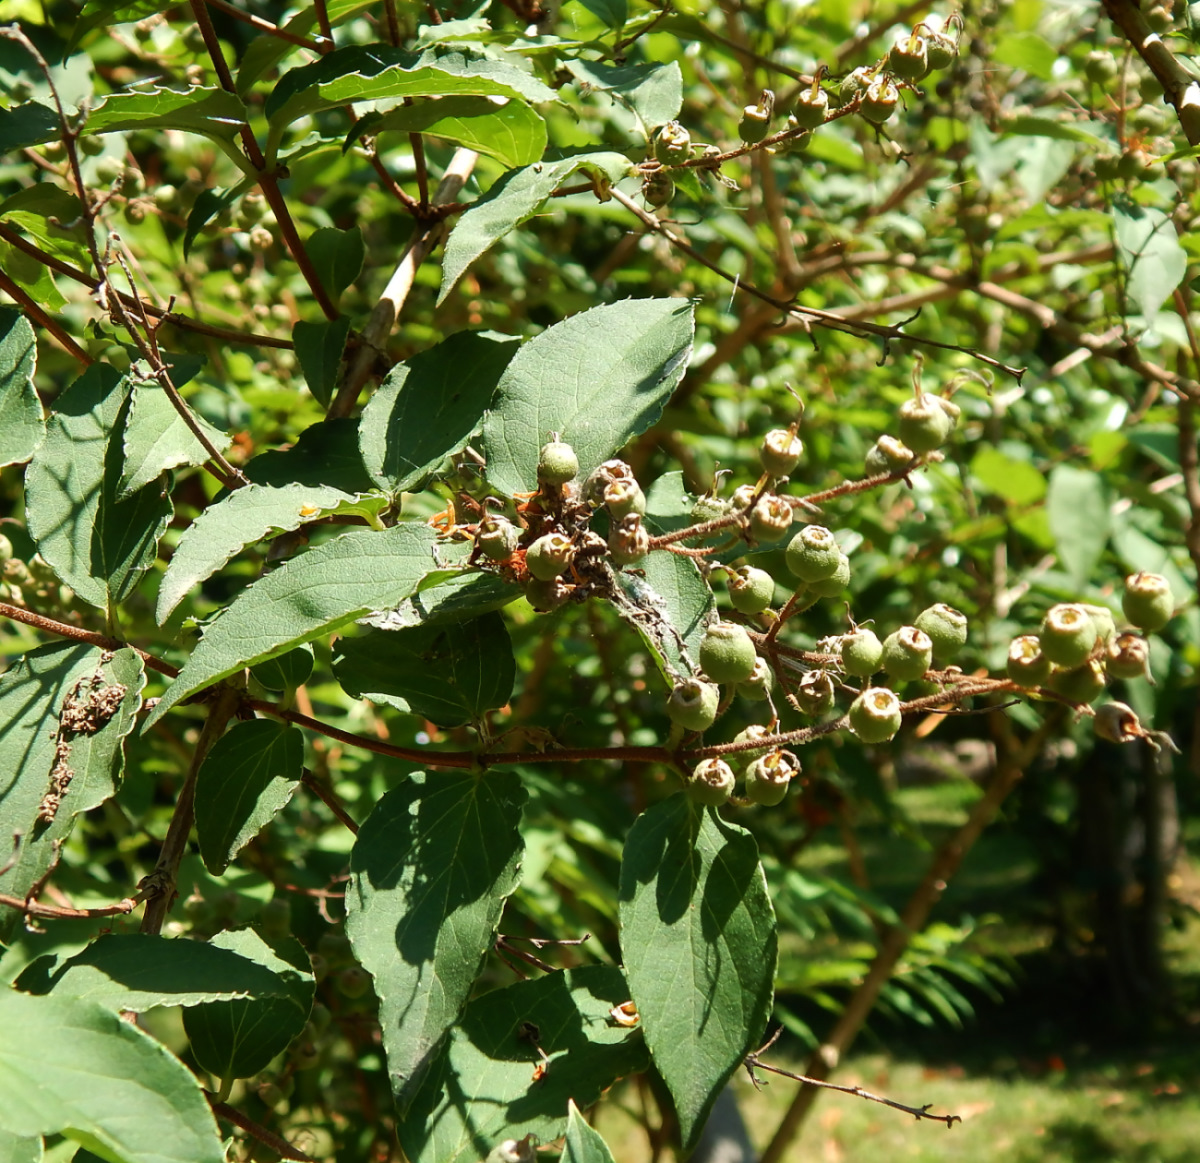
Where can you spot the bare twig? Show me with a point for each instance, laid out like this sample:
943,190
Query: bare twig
270,29
255,1130
329,799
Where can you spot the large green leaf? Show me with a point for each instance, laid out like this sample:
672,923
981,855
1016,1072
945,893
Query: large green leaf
451,674
584,1144
654,92
65,709
241,518
430,406
1078,510
429,874
211,112
157,439
1150,250
459,597
235,1039
381,73
21,1148
484,1089
337,256
598,379
319,349
1017,481
21,424
512,133
698,939
30,124
137,971
76,1068
99,545
325,453
516,198
305,598
245,781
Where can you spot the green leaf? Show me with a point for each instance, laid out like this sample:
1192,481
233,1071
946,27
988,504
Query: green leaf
98,12
1027,51
319,349
1029,126
337,256
326,453
264,52
430,871
306,598
287,671
513,133
52,218
245,781
698,939
213,113
157,439
430,406
137,971
381,73
235,1039
1078,509
56,766
1150,250
209,204
598,379
30,124
450,674
583,1144
99,545
653,92
514,199
241,518
21,1148
1016,481
614,13
489,1064
21,425
76,1068
467,595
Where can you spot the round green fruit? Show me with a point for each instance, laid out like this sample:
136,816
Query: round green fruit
1147,601
628,540
751,590
925,422
727,654
693,704
879,101
1128,657
711,782
907,653
811,107
1027,666
549,556
946,628
767,778
672,144
862,652
781,451
738,760
1068,635
815,694
875,715
497,538
835,583
1078,684
889,455
545,596
557,463
770,518
909,58
813,554
760,683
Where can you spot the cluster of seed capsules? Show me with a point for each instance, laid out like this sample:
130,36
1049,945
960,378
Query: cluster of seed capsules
558,556
872,90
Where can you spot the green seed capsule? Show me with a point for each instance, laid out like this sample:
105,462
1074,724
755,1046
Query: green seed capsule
770,518
1068,635
1078,684
832,586
1128,657
888,455
693,704
549,556
875,715
726,653
880,100
811,107
1028,667
547,595
1147,601
739,760
780,452
813,554
760,684
815,694
629,540
751,590
947,630
907,653
711,782
862,652
767,778
909,58
557,463
497,538
672,144
925,422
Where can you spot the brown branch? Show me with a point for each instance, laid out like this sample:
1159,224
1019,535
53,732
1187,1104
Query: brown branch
34,309
271,29
1011,763
76,633
280,1146
33,908
888,334
184,321
1179,86
329,799
160,884
753,1062
378,327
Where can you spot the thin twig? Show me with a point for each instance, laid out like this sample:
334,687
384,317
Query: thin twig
255,1130
39,316
61,913
271,29
329,799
